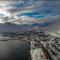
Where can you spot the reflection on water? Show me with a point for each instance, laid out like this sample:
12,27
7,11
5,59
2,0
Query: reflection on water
14,50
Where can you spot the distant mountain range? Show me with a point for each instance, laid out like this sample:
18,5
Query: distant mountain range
11,27
53,26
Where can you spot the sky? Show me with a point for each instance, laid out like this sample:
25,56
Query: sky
30,12
14,10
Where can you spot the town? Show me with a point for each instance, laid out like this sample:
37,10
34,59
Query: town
37,39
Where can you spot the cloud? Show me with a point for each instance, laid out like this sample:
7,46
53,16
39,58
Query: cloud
28,11
23,6
54,26
25,20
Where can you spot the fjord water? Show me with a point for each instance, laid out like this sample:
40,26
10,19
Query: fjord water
14,50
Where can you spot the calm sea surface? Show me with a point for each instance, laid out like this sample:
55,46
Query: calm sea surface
14,50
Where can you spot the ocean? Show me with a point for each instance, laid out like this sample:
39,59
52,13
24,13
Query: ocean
14,50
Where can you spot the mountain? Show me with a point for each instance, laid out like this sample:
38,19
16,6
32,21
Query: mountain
11,27
53,26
